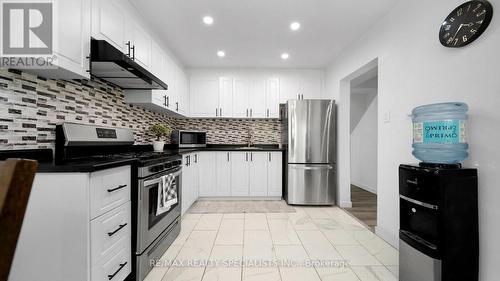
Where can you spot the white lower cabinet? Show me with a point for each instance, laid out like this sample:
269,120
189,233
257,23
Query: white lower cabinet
77,226
223,173
207,173
258,171
190,180
275,174
240,173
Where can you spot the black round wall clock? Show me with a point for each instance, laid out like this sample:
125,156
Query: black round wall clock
466,23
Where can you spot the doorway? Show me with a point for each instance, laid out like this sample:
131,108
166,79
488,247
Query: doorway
363,144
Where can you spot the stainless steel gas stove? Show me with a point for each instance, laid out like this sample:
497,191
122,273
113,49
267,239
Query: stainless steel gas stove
152,234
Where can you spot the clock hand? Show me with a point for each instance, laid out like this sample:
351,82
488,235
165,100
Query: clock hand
468,24
458,30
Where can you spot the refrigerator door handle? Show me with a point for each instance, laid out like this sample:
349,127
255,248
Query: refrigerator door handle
322,167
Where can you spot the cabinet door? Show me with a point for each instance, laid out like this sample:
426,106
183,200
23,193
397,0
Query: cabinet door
289,89
272,98
258,174
274,174
239,173
141,44
157,61
240,98
195,172
311,87
206,161
257,99
73,27
223,173
187,184
204,97
108,22
160,98
183,97
226,97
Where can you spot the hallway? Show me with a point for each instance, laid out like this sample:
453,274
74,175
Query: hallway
364,206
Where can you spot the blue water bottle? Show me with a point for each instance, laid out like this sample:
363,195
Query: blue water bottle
439,132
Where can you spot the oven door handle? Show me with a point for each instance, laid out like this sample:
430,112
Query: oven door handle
158,179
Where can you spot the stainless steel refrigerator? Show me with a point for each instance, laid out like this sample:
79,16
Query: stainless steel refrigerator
309,131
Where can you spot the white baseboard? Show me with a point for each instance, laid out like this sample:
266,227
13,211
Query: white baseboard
364,186
241,198
345,204
388,237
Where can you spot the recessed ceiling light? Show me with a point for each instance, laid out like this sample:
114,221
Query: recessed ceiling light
208,20
285,56
295,26
221,54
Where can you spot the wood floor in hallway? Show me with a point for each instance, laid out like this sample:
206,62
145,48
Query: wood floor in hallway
364,206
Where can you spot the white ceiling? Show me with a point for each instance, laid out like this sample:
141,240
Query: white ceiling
254,33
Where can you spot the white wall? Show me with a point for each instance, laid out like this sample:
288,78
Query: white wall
364,141
414,69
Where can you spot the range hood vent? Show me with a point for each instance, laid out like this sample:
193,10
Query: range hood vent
109,64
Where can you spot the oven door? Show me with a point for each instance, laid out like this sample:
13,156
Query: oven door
150,225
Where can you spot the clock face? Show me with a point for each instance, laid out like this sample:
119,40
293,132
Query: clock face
466,23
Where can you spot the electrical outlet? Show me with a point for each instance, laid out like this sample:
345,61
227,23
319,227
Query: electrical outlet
387,117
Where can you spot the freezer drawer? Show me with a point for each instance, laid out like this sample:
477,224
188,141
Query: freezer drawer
311,184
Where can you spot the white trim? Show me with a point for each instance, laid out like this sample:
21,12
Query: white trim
364,186
345,204
387,236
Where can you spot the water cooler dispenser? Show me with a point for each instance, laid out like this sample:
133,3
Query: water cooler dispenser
438,223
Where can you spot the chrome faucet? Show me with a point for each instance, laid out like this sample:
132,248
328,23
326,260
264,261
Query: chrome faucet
250,136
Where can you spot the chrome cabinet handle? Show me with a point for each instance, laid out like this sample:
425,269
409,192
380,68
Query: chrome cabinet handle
117,188
268,112
247,112
196,158
251,157
133,52
216,112
246,156
122,265
118,229
220,111
269,156
177,106
128,52
251,112
228,157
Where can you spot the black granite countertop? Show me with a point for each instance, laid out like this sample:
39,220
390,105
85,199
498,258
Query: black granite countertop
233,147
46,163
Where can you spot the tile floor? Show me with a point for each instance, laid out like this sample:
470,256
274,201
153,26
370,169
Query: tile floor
323,243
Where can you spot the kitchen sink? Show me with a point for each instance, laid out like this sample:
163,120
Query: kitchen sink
249,148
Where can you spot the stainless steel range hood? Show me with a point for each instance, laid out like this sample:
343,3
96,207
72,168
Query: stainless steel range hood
109,64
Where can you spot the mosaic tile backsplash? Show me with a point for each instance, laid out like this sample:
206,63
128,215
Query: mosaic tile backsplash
31,106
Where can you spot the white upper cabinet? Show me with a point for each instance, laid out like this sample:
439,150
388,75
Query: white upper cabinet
240,98
311,88
257,98
225,97
140,44
108,23
72,41
204,97
303,87
249,99
272,98
158,62
289,89
182,103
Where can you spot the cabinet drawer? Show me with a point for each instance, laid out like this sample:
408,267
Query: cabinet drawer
109,230
109,189
117,267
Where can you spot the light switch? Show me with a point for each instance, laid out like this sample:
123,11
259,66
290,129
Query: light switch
387,117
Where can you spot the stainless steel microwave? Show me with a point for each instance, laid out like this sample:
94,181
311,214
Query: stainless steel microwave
189,139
